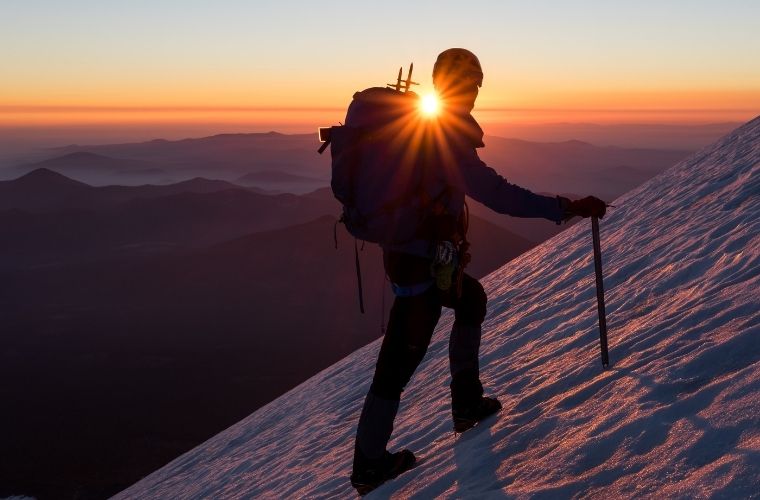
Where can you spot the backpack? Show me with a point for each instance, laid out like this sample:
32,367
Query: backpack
377,173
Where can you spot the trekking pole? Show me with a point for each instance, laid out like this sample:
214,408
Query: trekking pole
600,292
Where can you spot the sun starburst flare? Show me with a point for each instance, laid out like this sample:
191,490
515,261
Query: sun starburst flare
429,104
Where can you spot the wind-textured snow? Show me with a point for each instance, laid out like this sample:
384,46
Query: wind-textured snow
676,415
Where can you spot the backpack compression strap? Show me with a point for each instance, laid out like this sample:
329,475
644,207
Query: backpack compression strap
359,276
411,290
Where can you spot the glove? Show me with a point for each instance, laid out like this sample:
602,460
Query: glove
589,206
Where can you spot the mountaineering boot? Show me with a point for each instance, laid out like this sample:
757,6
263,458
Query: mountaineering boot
373,464
369,474
466,417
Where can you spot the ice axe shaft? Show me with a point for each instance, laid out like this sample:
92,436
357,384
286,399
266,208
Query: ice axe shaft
600,292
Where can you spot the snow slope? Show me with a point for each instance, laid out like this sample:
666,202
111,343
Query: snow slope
676,415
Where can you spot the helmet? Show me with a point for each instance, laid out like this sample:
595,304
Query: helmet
460,63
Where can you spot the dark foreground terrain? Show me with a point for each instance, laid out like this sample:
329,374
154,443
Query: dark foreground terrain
120,354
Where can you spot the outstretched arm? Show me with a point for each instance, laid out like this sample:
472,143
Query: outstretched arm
483,184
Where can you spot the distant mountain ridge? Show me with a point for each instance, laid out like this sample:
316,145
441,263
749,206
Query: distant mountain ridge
93,167
43,177
47,218
573,165
576,166
43,189
276,176
232,154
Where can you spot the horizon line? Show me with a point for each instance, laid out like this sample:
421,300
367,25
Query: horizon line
31,109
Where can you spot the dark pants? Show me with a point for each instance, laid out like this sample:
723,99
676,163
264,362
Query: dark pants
410,328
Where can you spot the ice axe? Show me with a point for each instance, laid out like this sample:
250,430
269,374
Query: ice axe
600,292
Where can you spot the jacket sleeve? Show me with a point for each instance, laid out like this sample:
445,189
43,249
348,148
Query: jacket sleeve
483,184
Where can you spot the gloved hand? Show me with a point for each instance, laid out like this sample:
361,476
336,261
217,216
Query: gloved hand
589,206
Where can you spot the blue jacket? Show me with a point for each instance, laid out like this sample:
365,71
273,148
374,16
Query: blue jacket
453,169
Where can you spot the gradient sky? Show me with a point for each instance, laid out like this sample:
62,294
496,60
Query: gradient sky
81,61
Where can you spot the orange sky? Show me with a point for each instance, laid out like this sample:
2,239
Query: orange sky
242,62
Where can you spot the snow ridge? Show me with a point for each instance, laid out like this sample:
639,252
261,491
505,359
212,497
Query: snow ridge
675,415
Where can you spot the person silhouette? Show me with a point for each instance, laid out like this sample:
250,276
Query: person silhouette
427,272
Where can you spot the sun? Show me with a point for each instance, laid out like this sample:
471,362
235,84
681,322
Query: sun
429,104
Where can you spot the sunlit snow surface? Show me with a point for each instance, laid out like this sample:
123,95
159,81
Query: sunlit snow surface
677,414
